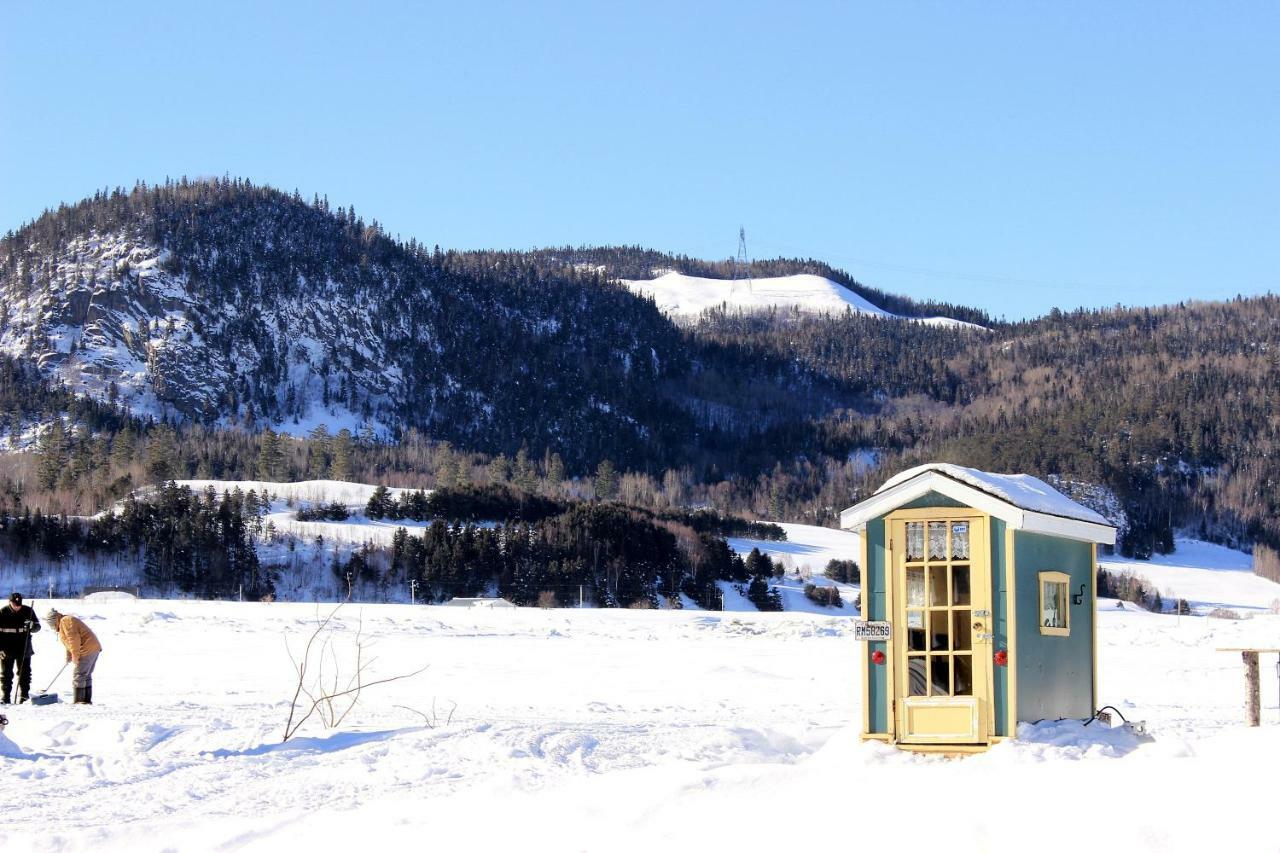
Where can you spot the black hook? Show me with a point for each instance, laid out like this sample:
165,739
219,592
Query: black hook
1078,598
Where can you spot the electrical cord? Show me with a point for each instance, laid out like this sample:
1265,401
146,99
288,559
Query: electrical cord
1104,708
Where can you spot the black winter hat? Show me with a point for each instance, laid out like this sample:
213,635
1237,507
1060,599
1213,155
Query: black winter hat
15,598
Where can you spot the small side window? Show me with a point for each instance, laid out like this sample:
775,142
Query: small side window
1055,612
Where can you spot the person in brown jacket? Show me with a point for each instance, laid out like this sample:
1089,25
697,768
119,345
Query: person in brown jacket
83,649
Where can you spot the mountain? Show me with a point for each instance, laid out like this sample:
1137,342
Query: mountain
221,308
227,304
231,305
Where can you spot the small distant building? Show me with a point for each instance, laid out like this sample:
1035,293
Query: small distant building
110,593
478,602
988,585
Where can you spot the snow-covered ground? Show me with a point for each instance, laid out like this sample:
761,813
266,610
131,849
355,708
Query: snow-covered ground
687,296
1206,575
612,731
287,498
805,554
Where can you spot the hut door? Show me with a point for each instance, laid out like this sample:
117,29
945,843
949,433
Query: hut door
942,639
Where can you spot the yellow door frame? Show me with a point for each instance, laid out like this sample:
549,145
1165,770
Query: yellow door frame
941,711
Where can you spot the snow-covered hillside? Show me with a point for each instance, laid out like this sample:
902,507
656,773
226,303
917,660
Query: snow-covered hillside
687,296
606,730
1206,575
804,554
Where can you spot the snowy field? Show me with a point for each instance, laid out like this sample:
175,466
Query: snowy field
613,731
1207,576
687,296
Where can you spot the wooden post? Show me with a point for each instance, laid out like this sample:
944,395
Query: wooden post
1252,695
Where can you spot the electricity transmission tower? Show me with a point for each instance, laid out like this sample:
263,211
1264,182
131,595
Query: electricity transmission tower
741,265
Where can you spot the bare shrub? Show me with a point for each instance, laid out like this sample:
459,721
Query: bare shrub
322,688
640,604
1223,613
547,600
1266,562
827,596
432,719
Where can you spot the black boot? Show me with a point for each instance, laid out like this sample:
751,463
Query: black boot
88,695
79,700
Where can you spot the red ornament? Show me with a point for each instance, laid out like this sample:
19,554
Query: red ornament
1002,658
877,657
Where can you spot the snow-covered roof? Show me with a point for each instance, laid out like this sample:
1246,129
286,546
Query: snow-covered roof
1021,490
1023,501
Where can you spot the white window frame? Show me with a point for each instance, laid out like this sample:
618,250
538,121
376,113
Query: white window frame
1064,580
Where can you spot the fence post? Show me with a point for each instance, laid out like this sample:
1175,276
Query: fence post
1253,696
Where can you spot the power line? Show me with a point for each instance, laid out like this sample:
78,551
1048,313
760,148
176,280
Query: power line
986,278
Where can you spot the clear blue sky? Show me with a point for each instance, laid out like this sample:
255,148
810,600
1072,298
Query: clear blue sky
1012,156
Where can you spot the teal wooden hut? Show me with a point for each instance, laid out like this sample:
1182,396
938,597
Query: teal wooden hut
988,585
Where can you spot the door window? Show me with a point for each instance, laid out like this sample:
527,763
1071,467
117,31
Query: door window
938,605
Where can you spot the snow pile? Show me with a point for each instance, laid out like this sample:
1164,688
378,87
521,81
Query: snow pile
687,296
1021,490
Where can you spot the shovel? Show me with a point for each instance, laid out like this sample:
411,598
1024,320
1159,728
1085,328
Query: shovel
44,697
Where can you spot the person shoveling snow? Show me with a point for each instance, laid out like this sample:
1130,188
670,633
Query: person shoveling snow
83,649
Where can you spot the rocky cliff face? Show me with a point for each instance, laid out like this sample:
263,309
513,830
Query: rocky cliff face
225,303
108,315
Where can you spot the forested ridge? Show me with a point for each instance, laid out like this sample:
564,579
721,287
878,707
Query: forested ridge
533,368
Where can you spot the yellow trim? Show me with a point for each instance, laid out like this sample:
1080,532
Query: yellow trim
880,736
864,658
1064,580
891,648
956,749
1093,617
935,513
930,719
1011,651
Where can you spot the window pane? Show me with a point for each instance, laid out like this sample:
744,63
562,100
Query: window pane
937,540
1054,615
959,540
959,584
915,677
961,638
915,631
915,587
938,586
915,540
964,675
940,675
938,633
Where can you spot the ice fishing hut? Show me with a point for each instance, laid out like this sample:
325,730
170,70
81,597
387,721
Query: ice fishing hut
979,604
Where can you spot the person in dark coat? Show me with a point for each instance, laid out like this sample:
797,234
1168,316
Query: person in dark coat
17,623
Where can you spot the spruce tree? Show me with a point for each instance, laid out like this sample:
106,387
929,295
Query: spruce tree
606,481
270,457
